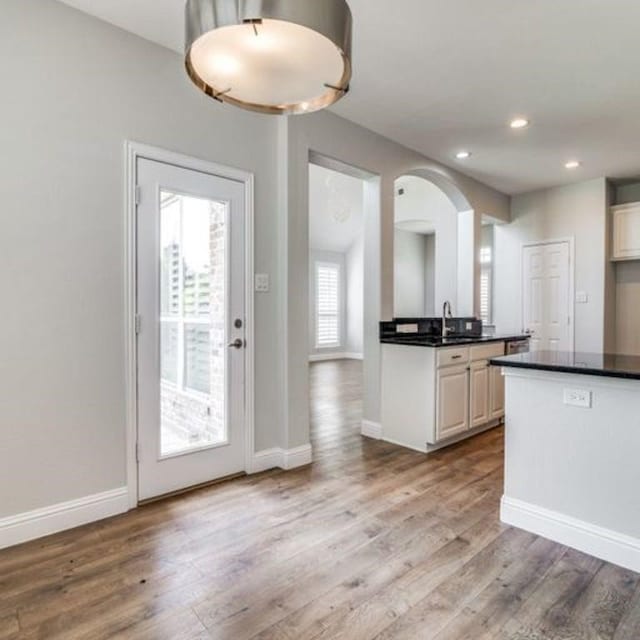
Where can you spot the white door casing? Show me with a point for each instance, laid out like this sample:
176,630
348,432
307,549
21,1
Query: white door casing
163,468
547,295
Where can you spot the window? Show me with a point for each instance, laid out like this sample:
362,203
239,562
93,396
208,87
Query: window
327,305
486,284
192,290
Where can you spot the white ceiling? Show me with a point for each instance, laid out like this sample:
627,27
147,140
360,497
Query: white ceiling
444,75
336,203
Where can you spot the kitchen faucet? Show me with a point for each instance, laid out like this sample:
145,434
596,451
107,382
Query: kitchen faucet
446,313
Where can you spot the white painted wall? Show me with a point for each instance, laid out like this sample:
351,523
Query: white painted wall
576,211
78,90
355,297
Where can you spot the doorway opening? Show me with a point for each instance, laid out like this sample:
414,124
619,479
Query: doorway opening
336,303
434,246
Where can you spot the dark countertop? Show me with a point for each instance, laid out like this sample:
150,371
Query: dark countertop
593,364
435,341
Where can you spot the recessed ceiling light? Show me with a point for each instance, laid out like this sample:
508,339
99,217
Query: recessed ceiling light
463,155
519,123
572,164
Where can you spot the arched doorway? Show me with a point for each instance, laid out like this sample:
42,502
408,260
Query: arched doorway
434,246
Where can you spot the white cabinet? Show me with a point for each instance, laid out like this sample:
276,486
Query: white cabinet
434,396
479,394
452,401
496,393
626,231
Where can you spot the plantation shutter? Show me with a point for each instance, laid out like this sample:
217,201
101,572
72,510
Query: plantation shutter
327,305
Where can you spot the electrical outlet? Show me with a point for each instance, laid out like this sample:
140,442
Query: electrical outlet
578,398
262,282
582,297
407,328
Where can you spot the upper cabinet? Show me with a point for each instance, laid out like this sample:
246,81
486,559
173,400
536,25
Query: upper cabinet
626,231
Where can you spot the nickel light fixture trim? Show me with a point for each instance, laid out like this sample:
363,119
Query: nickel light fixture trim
271,56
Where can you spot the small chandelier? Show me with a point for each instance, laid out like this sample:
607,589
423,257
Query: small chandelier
271,56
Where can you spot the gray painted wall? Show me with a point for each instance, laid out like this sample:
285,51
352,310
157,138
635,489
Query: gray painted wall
578,211
76,92
430,275
626,193
74,89
326,134
410,268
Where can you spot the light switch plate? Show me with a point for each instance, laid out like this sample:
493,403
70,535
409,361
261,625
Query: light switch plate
262,283
578,398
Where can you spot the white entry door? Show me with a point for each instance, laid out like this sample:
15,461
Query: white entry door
191,341
547,298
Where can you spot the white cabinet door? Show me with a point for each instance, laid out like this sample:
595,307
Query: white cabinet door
479,387
496,393
453,402
626,231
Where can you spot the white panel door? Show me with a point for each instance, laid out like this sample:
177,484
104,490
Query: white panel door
191,306
547,299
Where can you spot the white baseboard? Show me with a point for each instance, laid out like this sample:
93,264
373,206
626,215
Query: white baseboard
605,544
371,430
281,459
298,457
321,357
59,517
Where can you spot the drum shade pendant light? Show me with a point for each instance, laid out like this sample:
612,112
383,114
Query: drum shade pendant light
271,56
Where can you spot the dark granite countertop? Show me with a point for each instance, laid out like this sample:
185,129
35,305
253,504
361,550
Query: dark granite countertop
436,341
593,364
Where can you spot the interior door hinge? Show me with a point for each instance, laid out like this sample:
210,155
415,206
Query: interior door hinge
137,452
137,195
138,324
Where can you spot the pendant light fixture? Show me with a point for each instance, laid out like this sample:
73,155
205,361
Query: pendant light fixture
271,56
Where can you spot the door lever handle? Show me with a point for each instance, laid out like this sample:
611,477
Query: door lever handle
238,343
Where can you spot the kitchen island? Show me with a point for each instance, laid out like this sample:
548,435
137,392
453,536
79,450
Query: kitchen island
572,451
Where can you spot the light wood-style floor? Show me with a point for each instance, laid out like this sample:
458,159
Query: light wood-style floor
372,541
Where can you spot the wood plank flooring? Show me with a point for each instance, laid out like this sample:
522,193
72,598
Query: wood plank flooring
370,542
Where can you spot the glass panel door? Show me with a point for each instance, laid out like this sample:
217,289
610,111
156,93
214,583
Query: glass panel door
191,299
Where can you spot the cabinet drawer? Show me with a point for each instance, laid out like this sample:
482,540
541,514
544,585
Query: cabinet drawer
457,355
487,351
